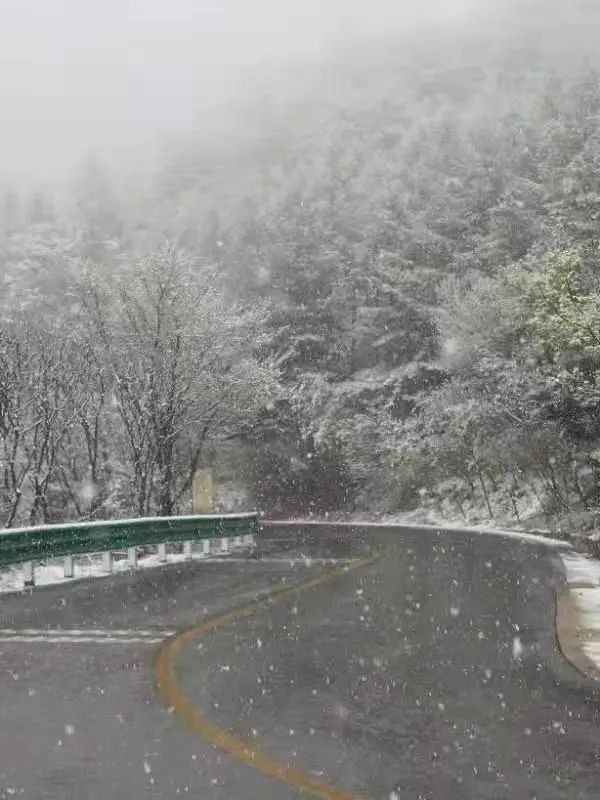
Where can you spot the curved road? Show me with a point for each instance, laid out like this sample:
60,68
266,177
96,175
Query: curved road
430,673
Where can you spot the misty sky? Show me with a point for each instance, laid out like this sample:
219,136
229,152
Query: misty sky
113,74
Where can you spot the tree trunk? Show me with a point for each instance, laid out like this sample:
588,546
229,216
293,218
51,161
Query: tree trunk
514,505
485,492
579,490
14,508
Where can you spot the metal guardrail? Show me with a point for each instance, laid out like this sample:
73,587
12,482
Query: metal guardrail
27,545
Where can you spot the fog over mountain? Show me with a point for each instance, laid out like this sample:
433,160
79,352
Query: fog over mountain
118,77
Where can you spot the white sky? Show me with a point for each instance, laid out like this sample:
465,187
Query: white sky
113,74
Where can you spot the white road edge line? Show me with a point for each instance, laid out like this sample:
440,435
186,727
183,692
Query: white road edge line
83,632
79,640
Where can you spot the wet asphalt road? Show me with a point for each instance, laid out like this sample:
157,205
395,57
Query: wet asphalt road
431,674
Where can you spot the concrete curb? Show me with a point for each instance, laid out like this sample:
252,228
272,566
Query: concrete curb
572,634
578,613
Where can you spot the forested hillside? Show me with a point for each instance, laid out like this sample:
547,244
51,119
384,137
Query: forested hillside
378,293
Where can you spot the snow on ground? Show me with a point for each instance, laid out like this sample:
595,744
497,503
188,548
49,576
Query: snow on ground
91,566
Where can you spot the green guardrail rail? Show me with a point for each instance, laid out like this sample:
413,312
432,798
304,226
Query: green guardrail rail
25,545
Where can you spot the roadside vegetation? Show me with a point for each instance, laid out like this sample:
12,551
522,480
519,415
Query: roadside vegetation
382,295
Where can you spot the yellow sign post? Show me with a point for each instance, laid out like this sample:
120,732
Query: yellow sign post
203,500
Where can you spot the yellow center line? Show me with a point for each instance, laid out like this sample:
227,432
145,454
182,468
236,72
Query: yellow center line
174,698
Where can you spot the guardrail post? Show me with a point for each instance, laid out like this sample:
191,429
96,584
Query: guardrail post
107,561
162,553
187,549
68,567
132,556
28,574
205,547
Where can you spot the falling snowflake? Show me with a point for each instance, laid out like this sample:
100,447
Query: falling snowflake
88,492
517,647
